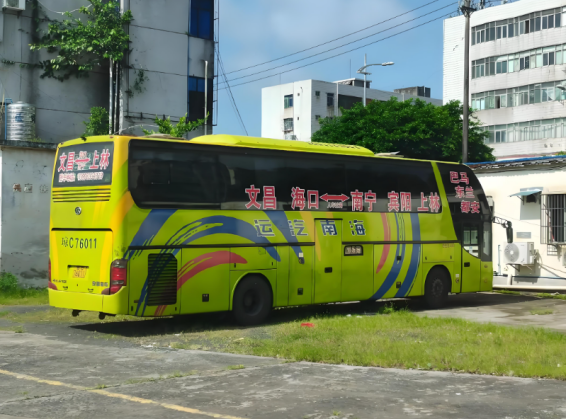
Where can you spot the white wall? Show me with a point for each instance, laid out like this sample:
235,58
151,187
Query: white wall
525,218
24,229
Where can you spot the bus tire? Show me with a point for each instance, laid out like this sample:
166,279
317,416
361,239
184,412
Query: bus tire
436,288
253,300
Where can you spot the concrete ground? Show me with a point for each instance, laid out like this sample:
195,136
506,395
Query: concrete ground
59,371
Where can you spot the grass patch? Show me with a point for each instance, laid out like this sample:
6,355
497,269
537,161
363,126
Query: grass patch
508,292
21,296
405,340
19,329
235,367
542,311
100,386
551,296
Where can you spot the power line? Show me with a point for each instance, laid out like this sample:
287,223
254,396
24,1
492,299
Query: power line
332,40
340,46
339,54
231,96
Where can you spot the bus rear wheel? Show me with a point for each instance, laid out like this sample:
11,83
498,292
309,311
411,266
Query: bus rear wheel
436,288
252,301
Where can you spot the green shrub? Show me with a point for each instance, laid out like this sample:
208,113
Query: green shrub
8,282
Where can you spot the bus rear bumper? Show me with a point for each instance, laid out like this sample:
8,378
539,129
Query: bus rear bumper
109,304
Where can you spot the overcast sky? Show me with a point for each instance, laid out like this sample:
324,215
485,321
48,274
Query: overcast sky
255,31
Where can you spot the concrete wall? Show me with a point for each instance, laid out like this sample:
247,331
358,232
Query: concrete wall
161,46
61,107
25,199
525,218
306,105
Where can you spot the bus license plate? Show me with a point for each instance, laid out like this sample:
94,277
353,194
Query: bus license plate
78,272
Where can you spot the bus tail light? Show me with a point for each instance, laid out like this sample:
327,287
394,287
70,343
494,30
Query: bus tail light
118,275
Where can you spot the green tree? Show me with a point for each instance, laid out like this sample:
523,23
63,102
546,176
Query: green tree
413,128
82,44
179,130
98,123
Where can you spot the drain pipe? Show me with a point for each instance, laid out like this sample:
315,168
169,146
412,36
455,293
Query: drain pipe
499,259
6,117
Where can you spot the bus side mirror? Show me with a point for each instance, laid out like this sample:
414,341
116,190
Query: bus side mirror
509,230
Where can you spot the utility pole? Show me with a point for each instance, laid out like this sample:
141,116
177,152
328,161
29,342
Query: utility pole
467,10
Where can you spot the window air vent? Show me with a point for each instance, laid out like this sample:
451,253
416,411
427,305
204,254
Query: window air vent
14,4
162,284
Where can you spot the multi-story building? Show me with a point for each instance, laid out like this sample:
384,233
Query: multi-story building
292,111
170,42
517,74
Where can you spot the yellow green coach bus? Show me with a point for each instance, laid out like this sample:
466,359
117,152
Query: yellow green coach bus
162,226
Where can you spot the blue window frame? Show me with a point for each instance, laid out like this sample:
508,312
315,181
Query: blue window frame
202,15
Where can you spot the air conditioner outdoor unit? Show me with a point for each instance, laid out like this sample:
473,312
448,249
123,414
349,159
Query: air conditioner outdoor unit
14,4
520,253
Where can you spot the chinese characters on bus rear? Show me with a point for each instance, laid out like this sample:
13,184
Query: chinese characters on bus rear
464,192
87,164
301,199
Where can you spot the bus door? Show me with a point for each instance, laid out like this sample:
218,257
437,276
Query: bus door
328,261
471,262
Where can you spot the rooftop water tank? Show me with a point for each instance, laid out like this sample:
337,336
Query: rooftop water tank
20,119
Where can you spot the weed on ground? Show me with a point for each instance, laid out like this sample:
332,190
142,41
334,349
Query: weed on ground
542,311
235,367
64,316
551,296
508,292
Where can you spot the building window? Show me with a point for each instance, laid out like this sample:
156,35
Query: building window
524,131
288,101
522,95
317,118
196,99
330,99
552,220
288,124
534,22
202,18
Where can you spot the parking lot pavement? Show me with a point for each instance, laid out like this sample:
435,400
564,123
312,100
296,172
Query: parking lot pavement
503,309
52,377
58,370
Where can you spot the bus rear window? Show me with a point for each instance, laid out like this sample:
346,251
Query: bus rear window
84,164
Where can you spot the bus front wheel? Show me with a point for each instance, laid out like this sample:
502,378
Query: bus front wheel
436,288
252,301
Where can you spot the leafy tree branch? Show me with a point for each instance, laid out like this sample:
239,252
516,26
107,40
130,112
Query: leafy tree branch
176,130
82,45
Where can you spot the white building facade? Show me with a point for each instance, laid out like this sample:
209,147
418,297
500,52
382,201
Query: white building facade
517,78
531,194
292,111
